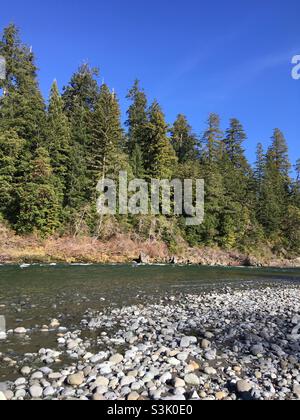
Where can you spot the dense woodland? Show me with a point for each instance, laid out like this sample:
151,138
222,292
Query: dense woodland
53,153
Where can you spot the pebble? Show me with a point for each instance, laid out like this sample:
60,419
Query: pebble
36,391
192,379
2,396
116,359
205,344
296,390
20,330
244,386
133,396
102,381
76,379
179,383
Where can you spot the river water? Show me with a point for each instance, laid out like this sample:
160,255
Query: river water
30,297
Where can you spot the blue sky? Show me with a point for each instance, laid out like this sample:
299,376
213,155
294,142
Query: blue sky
231,57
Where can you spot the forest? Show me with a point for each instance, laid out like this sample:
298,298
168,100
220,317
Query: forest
54,151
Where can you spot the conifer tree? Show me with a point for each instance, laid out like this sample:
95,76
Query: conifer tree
136,118
107,138
276,186
22,107
297,169
212,140
58,136
137,162
259,166
80,98
160,159
233,145
10,152
184,140
39,200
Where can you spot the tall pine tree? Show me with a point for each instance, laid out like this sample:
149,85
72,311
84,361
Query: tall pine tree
160,158
184,140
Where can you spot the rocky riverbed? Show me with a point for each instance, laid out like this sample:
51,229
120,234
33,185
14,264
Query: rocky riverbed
225,345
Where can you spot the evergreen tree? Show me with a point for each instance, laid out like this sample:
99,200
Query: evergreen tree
297,169
10,152
137,162
212,140
105,148
21,107
233,144
276,186
160,159
239,207
58,136
80,98
259,167
39,200
136,117
184,140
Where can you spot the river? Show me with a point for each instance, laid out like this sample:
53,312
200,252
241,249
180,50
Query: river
30,297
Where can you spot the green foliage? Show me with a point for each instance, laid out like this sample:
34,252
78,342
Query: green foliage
39,201
10,150
137,118
21,107
184,140
52,157
159,157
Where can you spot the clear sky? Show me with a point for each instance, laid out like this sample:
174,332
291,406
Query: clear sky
232,57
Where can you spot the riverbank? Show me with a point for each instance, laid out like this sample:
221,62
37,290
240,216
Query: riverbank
234,344
123,249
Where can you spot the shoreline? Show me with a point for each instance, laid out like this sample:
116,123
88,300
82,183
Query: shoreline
126,249
225,345
25,265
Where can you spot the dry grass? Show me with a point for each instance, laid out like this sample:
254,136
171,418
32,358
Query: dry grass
119,248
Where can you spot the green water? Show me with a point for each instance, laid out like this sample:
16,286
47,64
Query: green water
31,297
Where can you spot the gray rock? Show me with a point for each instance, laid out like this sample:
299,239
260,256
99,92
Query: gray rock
116,359
179,383
36,391
205,344
211,355
76,380
192,379
257,350
210,371
2,396
244,387
296,390
20,381
101,381
20,331
49,392
20,393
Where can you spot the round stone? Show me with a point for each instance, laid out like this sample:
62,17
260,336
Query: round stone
192,379
116,359
20,330
36,391
244,386
76,380
101,381
179,383
133,396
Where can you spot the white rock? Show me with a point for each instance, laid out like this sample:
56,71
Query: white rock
36,391
116,359
192,379
20,330
2,396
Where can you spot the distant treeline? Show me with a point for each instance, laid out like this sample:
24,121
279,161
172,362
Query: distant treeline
52,156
